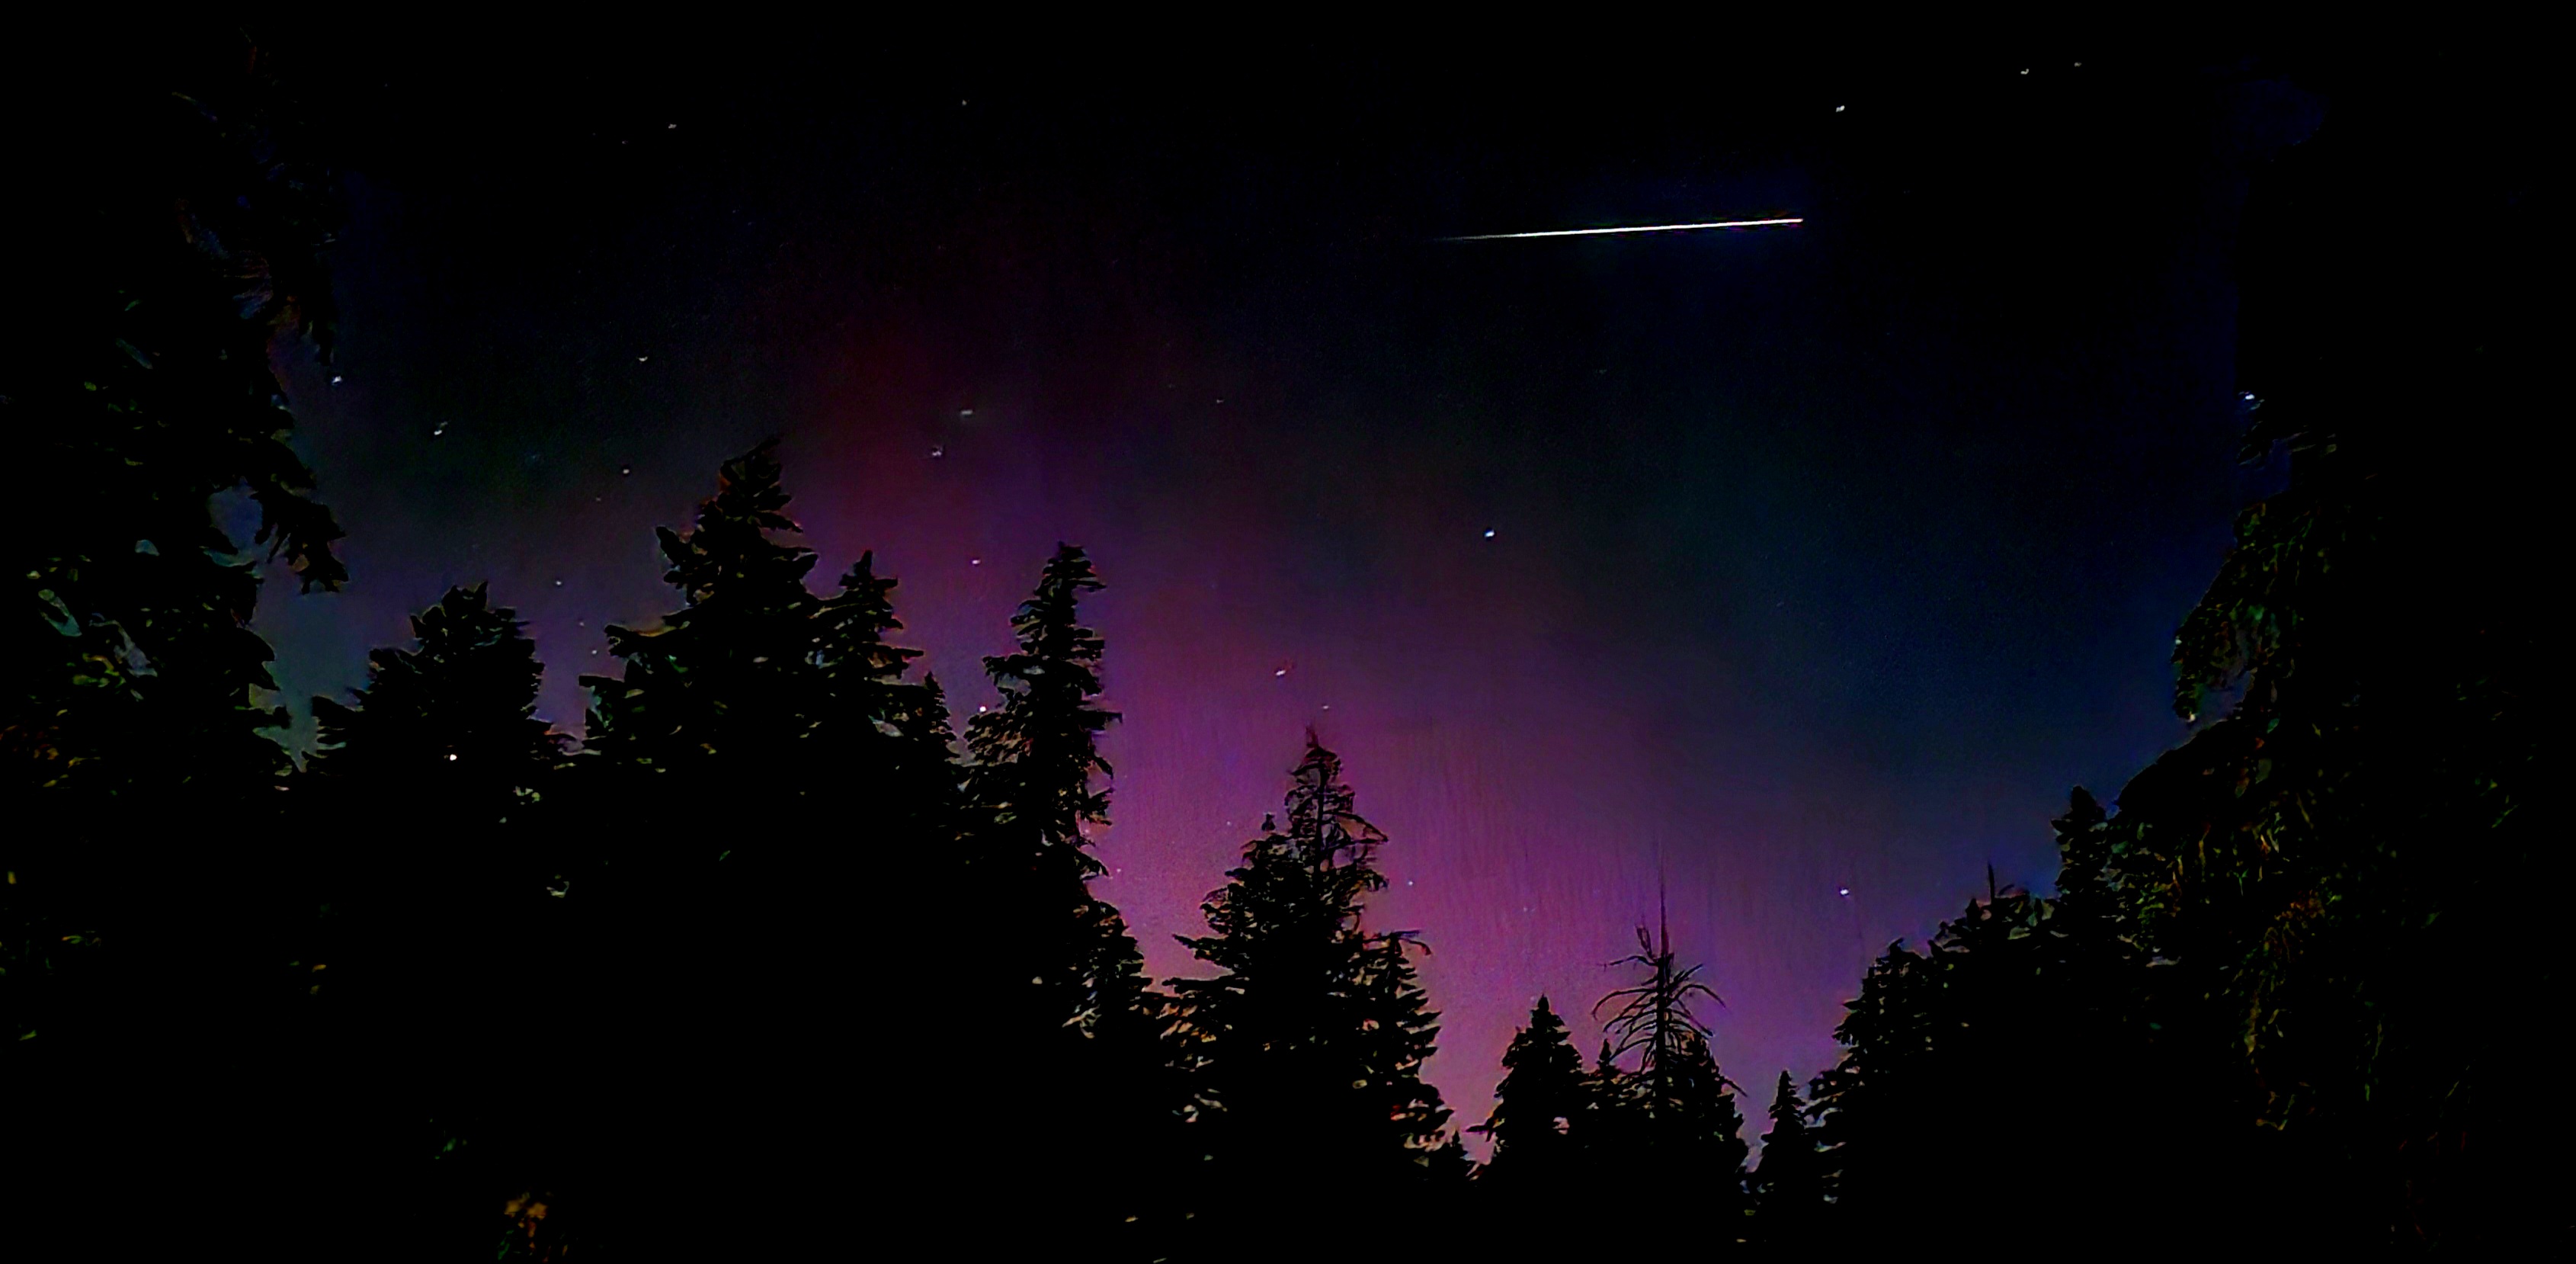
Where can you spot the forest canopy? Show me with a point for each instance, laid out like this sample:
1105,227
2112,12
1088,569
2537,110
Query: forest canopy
456,983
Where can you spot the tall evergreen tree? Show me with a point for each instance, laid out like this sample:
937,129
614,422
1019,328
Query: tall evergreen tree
1064,1053
1031,781
177,241
1536,1106
1789,1186
455,883
2340,859
886,740
768,791
2030,1041
1675,1128
1306,1051
725,689
1539,1126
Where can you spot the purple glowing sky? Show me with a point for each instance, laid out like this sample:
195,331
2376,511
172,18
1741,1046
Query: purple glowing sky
1819,559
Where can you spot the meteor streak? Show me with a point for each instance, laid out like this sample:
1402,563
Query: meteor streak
1645,228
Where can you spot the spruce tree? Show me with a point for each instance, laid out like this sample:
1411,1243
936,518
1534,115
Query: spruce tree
2031,1041
177,241
452,882
1031,783
759,779
1789,1186
1306,1051
726,688
1540,1123
1537,1106
886,740
1063,1050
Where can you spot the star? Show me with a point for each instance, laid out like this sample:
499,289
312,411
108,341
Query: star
1844,892
1489,533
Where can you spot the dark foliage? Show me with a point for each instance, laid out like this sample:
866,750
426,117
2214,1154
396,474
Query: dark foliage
1536,1107
1789,1187
1667,1131
1305,1052
449,990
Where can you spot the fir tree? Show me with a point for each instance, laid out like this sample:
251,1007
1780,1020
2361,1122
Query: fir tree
764,781
1031,781
726,687
1540,1125
2339,862
1536,1106
885,739
1306,1051
424,908
1067,1050
1789,1187
178,243
2030,1043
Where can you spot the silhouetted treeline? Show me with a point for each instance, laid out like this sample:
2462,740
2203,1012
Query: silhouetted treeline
776,962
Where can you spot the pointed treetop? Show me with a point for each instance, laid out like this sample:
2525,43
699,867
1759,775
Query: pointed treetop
1788,1114
748,489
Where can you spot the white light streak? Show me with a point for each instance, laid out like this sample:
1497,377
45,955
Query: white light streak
1643,228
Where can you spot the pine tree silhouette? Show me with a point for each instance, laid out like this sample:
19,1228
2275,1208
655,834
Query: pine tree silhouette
1540,1128
1674,1129
1789,1187
757,774
727,686
1064,1053
2032,1041
422,911
1536,1106
178,246
1305,1053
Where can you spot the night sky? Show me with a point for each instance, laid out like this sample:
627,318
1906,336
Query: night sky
1779,563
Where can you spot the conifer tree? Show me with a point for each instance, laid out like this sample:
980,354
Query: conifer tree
1540,1125
1537,1106
452,719
455,882
1678,1127
1306,1051
177,241
727,687
2339,863
886,738
1034,760
1065,1054
2032,1042
760,777
1789,1186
